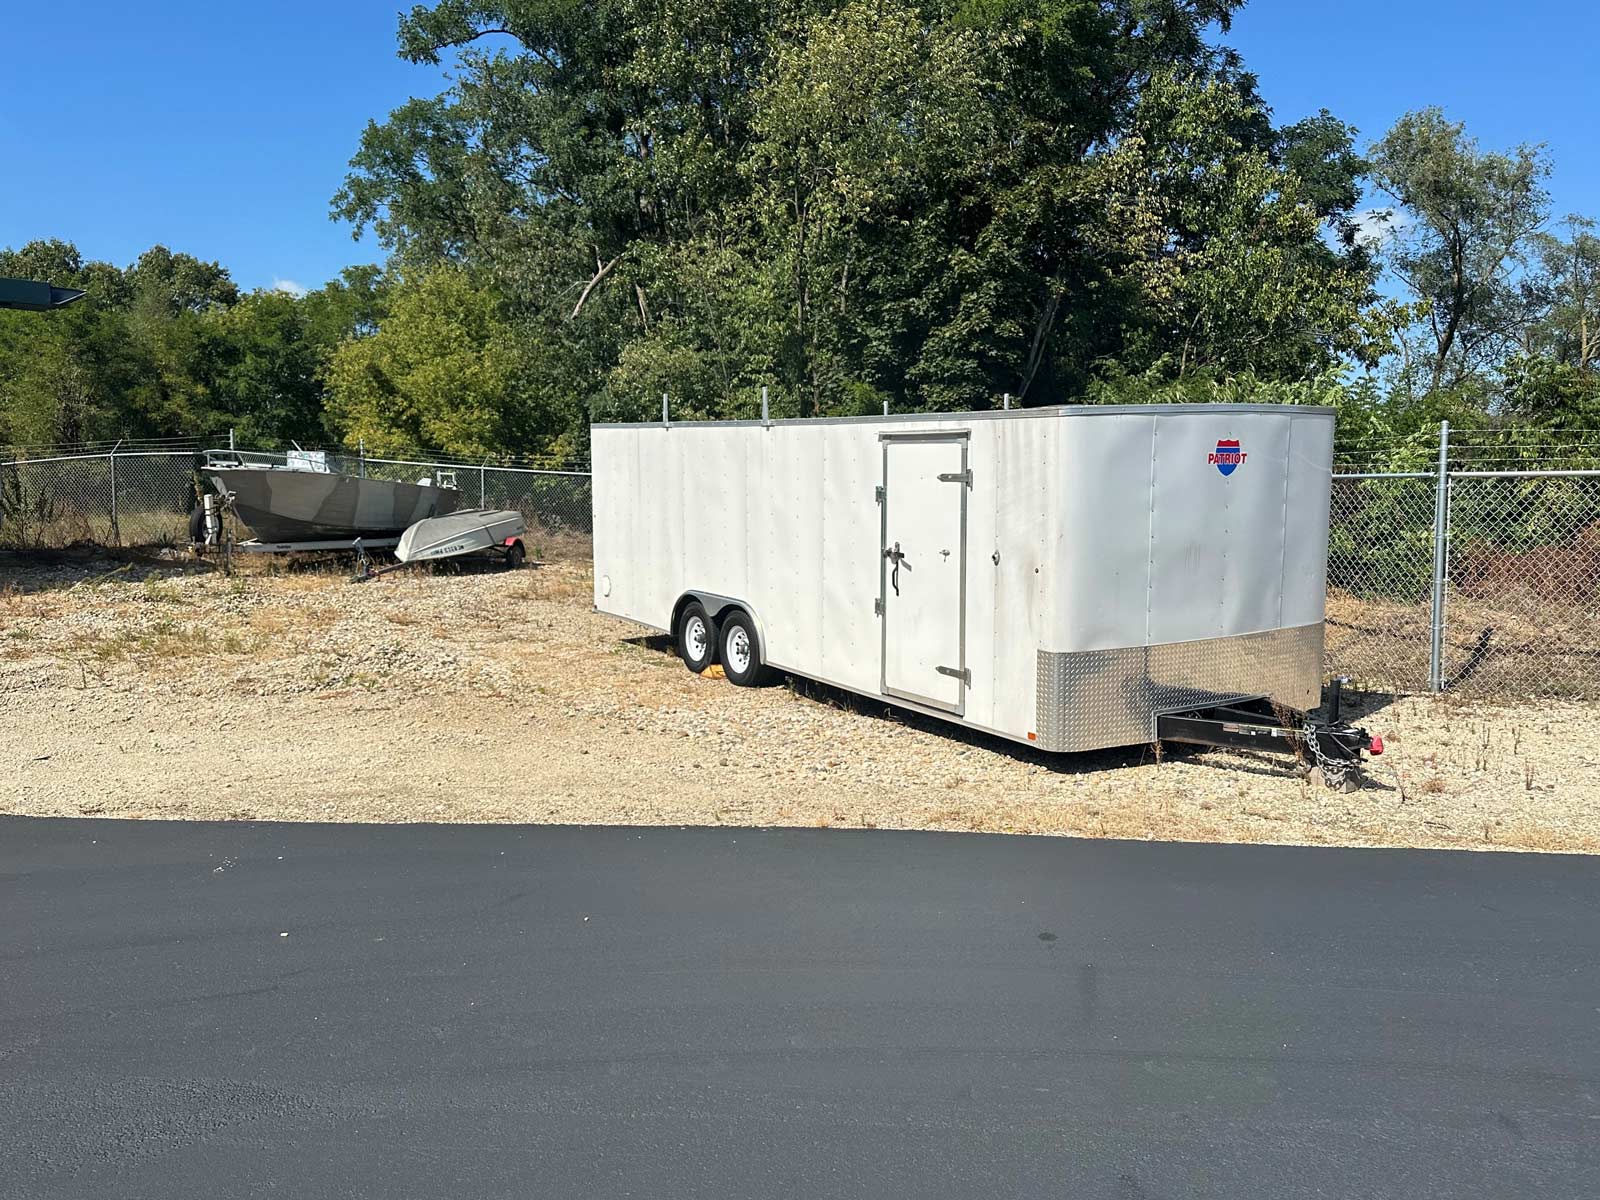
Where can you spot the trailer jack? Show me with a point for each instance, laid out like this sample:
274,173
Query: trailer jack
1326,746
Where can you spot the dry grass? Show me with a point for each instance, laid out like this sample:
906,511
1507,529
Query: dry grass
161,644
558,585
1509,644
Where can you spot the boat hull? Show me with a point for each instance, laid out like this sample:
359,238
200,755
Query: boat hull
300,506
465,532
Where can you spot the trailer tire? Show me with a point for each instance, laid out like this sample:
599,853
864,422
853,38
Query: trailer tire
697,638
741,651
515,556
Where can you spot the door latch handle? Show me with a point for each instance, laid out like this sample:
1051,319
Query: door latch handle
894,554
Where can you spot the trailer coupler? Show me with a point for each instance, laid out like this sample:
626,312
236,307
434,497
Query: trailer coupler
1326,746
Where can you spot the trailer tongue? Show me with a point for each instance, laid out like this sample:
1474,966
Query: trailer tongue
1326,747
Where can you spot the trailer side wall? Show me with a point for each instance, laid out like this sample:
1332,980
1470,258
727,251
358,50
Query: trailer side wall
1112,569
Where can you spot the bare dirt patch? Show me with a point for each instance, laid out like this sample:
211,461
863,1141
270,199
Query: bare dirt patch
141,688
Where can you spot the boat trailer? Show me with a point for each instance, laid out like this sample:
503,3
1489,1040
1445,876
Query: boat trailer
1325,747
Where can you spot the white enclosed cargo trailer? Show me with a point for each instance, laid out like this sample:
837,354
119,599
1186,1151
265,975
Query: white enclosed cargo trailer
1059,576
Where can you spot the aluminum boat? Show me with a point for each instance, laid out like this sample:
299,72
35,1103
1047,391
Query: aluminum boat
302,501
465,532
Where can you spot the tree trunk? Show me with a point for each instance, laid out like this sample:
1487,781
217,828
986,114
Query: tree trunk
1041,335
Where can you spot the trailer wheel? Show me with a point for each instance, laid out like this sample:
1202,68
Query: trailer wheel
741,651
697,638
515,556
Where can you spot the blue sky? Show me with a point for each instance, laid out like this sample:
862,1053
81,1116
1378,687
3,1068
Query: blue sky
223,129
1514,72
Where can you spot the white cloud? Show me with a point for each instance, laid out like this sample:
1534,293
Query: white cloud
290,286
1377,226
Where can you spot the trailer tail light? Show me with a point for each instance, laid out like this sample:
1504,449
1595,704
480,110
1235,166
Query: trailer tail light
1033,737
1377,745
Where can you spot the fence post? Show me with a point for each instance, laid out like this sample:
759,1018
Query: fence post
1005,402
230,438
886,408
483,491
361,453
1441,544
664,408
116,533
764,415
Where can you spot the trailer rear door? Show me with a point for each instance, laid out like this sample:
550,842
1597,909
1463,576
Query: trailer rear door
923,559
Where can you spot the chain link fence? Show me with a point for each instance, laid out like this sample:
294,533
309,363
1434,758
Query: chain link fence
1522,585
1480,577
56,501
1476,580
557,505
144,497
1380,580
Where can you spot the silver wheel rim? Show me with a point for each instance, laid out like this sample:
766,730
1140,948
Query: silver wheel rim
739,650
697,638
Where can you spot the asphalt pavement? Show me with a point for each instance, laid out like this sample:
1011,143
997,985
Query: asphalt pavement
207,1010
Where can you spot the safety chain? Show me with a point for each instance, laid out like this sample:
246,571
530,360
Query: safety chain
1334,770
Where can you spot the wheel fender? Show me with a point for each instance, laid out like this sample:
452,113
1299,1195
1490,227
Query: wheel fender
718,606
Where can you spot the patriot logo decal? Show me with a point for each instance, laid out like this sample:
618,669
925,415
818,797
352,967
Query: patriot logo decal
1228,456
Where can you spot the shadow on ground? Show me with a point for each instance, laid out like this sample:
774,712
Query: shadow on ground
55,570
1355,705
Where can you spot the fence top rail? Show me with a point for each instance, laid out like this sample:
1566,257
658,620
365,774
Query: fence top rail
1385,474
484,466
29,462
1554,474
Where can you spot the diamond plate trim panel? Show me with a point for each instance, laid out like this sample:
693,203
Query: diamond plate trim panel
1091,699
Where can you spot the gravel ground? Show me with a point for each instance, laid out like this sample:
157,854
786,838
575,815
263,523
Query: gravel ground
143,688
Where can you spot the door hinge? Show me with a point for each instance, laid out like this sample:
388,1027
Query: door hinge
877,494
877,607
957,477
962,673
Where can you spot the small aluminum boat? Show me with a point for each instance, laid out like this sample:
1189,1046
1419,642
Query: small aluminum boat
470,531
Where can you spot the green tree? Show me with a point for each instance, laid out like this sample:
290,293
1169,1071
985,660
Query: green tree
446,370
859,200
169,346
1221,241
1565,290
264,371
80,373
869,114
1547,394
1469,219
